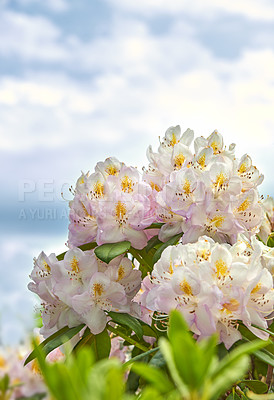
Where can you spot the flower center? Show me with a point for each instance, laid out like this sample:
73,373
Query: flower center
74,265
121,272
173,140
244,206
179,161
98,289
186,187
186,288
120,212
127,184
98,189
221,268
111,170
46,266
218,221
201,161
220,179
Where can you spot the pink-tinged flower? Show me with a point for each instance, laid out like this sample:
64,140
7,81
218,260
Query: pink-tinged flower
123,218
100,295
267,226
249,174
25,381
209,192
81,288
214,286
113,205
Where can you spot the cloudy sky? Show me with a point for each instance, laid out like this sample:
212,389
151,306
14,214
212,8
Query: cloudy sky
81,80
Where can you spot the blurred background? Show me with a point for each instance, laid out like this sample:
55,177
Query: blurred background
81,80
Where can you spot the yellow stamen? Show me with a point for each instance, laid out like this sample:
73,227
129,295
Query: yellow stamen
218,220
111,170
233,305
170,270
256,288
221,267
126,184
242,168
98,189
179,161
244,206
173,140
74,265
186,187
215,147
86,211
186,288
220,180
154,186
201,160
46,266
120,210
98,289
121,272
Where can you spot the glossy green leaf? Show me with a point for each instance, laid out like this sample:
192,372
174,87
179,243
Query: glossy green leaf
254,396
54,341
155,225
270,240
83,247
154,241
154,376
256,386
129,321
100,345
106,252
170,242
85,340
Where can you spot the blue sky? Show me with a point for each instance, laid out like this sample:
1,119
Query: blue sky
83,80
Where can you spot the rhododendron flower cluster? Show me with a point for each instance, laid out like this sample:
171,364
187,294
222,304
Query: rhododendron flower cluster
81,289
111,205
217,272
214,286
207,192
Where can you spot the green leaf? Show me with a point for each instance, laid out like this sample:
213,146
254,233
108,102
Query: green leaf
54,341
85,340
254,396
106,252
141,356
256,386
100,345
233,396
4,383
270,240
170,242
265,356
84,247
154,376
166,351
155,225
232,367
154,241
127,320
228,375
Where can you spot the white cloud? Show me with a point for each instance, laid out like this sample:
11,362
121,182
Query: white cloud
30,38
253,9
